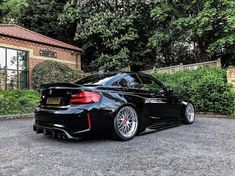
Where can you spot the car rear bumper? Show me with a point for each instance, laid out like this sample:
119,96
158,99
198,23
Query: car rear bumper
57,130
72,124
67,125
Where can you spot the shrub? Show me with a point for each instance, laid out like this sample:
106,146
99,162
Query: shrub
18,101
205,87
51,72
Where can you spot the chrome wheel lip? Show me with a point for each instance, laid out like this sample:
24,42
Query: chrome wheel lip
190,112
127,122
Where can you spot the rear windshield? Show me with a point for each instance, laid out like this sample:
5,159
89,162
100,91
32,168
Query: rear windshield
97,79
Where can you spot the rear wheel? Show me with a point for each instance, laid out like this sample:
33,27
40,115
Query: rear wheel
189,114
125,123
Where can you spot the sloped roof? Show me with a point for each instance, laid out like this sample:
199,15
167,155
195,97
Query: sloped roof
19,32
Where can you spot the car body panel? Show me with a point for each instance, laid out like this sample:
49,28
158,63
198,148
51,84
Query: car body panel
154,109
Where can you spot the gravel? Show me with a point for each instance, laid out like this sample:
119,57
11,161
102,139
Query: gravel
205,148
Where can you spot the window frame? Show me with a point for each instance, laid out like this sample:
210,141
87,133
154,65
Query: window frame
17,70
161,85
118,81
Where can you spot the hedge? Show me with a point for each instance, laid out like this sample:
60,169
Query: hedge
206,88
18,101
52,72
25,101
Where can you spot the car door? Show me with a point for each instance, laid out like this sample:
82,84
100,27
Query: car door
162,106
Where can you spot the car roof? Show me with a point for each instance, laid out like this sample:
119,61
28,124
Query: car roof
120,72
119,75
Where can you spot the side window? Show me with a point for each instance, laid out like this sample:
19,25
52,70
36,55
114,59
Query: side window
151,84
131,81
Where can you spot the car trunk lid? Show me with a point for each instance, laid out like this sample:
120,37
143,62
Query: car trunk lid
58,94
65,94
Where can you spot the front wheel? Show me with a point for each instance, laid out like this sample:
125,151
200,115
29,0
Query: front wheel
125,123
189,114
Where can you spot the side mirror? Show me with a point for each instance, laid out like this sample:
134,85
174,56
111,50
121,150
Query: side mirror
168,90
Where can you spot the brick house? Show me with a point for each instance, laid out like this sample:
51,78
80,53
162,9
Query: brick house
21,49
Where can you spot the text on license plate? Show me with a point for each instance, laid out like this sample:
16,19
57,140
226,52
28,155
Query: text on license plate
53,100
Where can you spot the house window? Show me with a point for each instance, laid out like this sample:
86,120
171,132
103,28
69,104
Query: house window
13,69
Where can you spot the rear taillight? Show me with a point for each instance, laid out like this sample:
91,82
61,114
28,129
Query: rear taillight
85,97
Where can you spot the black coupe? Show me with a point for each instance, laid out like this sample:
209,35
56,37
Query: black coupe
121,104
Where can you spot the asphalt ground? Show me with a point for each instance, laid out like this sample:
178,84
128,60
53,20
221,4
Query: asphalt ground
205,148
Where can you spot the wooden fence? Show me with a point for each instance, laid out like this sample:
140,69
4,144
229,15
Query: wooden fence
181,67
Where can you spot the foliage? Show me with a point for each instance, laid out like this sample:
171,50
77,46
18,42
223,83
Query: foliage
18,101
139,33
113,33
168,32
167,41
52,72
206,88
205,26
11,10
42,16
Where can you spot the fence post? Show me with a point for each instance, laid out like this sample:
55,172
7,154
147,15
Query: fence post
154,69
219,62
181,67
231,77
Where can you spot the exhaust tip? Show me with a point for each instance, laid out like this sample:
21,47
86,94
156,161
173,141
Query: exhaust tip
34,128
64,136
46,132
39,131
53,134
59,135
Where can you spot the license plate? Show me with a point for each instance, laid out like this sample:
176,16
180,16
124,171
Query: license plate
53,100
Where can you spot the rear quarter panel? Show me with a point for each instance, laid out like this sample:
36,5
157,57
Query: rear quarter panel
116,98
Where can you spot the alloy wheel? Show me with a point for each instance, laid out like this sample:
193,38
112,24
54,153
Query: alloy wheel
190,113
127,122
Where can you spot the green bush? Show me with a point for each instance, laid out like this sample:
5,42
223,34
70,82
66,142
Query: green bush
18,101
51,72
205,87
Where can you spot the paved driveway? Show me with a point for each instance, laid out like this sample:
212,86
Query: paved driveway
205,148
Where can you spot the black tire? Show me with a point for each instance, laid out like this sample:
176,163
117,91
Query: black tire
189,114
118,124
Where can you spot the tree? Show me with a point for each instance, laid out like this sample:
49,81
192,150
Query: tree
139,33
42,16
11,10
206,27
113,33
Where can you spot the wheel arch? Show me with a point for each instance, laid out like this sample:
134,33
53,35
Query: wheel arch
126,104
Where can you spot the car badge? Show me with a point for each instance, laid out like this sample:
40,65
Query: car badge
50,92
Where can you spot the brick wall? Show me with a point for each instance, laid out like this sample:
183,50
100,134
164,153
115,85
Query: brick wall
231,76
63,55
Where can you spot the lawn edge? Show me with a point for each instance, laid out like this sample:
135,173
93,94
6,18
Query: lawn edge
31,115
16,116
216,116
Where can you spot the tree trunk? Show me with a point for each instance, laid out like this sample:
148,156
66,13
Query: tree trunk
74,2
202,55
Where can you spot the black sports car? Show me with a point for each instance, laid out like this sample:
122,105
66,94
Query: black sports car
122,104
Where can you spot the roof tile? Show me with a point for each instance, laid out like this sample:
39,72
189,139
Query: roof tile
19,32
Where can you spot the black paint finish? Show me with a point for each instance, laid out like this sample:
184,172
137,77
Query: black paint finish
157,106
